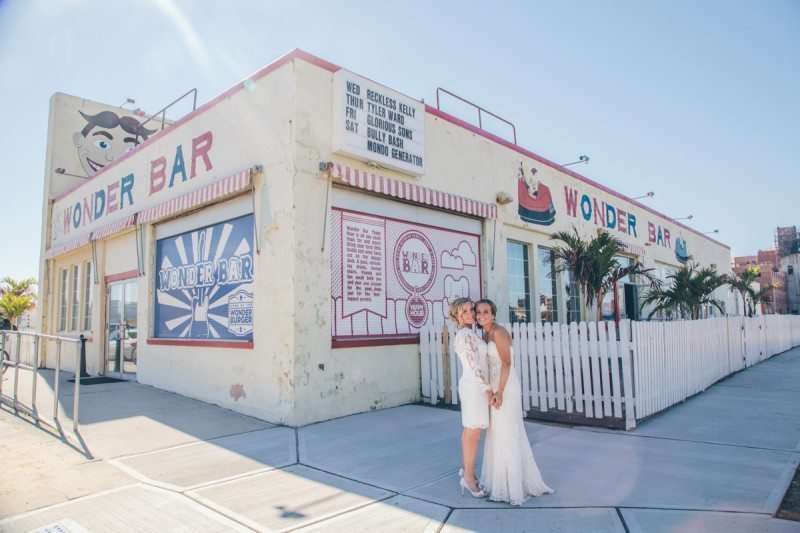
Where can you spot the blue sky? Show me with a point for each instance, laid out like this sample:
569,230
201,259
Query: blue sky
696,100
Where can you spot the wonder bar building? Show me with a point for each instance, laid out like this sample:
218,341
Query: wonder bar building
277,250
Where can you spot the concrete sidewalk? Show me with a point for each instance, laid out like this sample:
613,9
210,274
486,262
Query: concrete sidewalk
150,460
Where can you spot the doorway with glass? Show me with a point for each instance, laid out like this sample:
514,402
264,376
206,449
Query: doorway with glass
121,329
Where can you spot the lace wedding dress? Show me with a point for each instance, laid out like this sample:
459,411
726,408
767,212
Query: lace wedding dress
472,352
509,472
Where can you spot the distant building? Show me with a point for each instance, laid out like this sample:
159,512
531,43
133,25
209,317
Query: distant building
787,242
769,262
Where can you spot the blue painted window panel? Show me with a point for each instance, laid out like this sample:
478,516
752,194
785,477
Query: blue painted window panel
204,283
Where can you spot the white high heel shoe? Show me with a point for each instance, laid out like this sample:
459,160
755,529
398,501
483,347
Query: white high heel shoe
475,494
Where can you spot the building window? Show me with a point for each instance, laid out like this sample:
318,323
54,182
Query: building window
548,305
790,270
75,299
62,300
87,295
519,296
573,298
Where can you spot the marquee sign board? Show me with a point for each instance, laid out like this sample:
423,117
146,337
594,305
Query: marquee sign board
374,123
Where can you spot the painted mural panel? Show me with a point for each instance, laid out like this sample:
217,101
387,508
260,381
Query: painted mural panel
204,283
391,277
540,201
89,137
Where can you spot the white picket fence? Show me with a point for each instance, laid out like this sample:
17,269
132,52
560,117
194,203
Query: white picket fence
595,371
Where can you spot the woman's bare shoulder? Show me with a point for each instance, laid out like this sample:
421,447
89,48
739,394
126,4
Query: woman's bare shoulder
499,333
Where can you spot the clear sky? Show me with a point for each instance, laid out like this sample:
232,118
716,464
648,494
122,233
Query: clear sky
696,100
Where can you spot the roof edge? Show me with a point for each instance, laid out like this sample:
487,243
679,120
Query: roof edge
297,53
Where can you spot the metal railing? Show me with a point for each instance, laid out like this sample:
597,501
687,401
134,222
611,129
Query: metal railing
479,109
163,112
13,339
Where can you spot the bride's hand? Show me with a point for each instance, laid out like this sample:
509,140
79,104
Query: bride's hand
489,397
497,401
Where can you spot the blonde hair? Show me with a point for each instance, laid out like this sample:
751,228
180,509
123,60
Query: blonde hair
455,307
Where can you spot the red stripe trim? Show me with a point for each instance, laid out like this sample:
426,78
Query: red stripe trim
246,345
357,342
212,191
411,192
122,275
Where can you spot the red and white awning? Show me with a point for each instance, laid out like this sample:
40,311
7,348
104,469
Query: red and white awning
67,246
112,228
413,193
635,249
213,191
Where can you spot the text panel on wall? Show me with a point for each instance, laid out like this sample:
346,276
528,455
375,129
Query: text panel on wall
391,277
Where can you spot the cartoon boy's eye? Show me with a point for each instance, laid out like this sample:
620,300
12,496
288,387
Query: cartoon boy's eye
103,145
129,148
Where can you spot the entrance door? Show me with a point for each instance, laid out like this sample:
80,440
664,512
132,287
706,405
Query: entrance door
632,301
121,330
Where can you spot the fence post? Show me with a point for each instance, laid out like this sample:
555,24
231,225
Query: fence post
83,373
627,349
56,378
76,400
3,352
16,370
34,373
425,363
446,363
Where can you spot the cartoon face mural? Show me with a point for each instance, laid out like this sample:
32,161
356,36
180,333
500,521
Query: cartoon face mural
106,137
680,250
534,199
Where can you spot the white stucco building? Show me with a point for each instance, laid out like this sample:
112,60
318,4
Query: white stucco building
276,251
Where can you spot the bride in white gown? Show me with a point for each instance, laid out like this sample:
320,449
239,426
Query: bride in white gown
509,471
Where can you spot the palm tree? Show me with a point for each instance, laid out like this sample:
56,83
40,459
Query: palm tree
12,306
690,288
594,265
763,295
743,284
16,297
16,287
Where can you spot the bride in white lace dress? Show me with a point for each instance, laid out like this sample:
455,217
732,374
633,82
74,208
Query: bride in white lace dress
509,471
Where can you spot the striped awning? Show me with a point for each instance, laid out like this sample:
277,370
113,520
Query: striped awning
112,228
411,192
67,246
213,191
635,249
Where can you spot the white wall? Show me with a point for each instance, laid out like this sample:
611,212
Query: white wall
251,127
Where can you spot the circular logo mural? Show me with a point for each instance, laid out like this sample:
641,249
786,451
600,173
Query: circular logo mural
416,311
415,262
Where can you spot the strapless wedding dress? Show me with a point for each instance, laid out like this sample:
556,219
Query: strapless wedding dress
509,472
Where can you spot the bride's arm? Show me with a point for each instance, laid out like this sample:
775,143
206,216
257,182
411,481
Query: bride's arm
502,340
467,343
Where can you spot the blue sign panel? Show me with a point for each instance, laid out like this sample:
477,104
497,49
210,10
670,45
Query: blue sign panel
204,283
